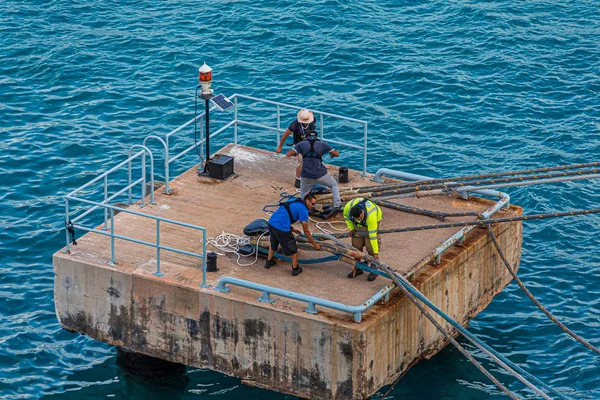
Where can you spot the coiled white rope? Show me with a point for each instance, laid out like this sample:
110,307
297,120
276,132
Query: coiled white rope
231,243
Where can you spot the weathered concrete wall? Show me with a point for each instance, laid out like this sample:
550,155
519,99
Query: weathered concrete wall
291,352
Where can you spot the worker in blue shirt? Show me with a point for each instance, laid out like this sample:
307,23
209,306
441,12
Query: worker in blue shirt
281,230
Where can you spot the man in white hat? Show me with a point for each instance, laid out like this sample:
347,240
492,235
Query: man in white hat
301,127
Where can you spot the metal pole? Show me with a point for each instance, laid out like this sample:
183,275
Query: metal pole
204,285
105,201
129,182
235,118
158,273
365,152
112,237
66,222
207,137
278,124
143,180
321,126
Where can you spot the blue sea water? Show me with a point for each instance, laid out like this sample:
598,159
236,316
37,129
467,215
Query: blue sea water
448,88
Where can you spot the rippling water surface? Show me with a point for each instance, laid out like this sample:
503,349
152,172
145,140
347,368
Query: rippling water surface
448,88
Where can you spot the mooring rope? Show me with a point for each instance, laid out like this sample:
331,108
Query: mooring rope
411,292
483,222
535,301
441,215
481,176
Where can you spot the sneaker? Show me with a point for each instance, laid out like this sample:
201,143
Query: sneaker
296,271
297,183
372,277
270,263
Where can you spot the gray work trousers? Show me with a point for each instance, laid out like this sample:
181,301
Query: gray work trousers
306,185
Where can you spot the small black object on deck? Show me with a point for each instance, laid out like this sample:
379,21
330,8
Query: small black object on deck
220,167
343,177
211,262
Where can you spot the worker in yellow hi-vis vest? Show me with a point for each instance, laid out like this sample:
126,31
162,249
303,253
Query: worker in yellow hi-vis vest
363,218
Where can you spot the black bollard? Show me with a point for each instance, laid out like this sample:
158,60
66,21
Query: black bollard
343,177
211,262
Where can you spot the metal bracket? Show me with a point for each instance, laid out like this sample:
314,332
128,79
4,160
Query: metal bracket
266,298
376,179
311,309
207,286
224,290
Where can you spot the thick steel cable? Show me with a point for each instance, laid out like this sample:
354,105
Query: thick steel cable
483,222
444,189
441,215
408,288
534,300
340,247
345,249
478,183
485,176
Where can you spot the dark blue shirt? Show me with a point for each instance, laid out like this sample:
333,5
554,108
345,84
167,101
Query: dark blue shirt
312,168
300,131
281,220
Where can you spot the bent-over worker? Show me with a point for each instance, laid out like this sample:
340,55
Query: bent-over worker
281,230
363,218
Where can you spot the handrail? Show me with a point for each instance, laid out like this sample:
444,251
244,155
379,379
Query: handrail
166,148
236,121
459,236
147,150
312,301
157,244
321,125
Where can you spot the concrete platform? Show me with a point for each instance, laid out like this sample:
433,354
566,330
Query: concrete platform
277,346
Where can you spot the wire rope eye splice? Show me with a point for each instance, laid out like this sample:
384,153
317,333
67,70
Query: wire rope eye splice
71,229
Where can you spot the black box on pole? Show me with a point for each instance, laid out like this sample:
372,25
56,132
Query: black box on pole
220,167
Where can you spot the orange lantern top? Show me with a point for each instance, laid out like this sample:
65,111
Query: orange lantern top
205,73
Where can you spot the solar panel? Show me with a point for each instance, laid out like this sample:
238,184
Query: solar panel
222,102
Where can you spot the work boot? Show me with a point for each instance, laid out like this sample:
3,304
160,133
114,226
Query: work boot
296,271
270,263
372,277
355,273
297,183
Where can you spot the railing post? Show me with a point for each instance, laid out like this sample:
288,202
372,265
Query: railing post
265,298
364,173
143,180
158,273
321,131
278,124
204,284
129,181
311,309
67,218
167,164
112,238
105,202
235,118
